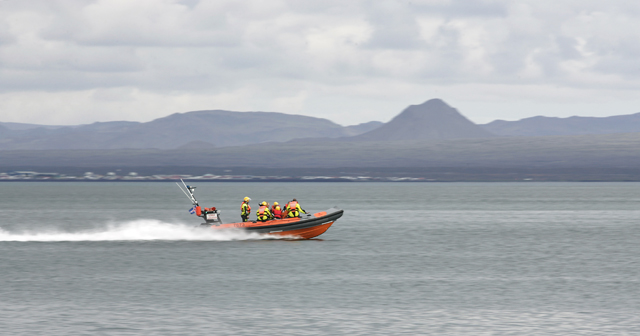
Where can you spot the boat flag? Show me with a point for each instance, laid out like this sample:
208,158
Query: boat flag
192,210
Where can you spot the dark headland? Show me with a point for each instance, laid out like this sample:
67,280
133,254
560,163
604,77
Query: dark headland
429,142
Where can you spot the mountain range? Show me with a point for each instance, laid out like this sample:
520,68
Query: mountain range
544,126
199,129
433,120
431,134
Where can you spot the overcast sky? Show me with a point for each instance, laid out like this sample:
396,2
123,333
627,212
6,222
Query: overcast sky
77,61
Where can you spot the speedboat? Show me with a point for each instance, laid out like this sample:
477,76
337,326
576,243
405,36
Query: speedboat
306,226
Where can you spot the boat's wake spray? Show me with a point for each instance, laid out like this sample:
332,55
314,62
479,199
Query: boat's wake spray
137,230
211,215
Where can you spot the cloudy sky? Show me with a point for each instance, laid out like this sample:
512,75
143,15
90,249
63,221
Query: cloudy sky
81,61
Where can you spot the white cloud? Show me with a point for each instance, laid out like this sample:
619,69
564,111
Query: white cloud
76,61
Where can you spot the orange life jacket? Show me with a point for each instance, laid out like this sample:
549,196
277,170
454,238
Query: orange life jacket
262,210
293,209
263,213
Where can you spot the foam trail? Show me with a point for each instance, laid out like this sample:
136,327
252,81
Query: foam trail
144,229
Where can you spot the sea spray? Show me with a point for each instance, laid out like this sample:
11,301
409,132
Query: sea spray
143,229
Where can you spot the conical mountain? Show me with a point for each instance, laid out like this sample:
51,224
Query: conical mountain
432,120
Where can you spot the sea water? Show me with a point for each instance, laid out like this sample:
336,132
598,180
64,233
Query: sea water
405,259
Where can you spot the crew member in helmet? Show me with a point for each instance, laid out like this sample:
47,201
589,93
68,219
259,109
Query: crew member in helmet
276,210
293,209
264,214
245,209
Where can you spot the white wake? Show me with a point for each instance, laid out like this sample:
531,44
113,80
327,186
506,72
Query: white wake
144,229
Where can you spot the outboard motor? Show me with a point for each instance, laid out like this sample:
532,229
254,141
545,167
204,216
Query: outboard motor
211,215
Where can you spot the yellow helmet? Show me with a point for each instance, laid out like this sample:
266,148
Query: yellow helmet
263,203
247,199
275,203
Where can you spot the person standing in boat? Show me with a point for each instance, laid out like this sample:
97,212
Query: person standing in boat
276,210
293,209
245,209
264,214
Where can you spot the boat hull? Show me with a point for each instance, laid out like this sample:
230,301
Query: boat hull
305,227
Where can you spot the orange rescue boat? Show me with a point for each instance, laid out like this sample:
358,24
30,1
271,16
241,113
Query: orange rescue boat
305,226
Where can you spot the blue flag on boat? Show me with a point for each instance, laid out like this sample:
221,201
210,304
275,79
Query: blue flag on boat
192,210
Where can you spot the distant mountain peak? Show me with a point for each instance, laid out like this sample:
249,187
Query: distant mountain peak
429,109
435,102
431,120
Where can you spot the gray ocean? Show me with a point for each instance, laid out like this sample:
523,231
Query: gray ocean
405,259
